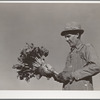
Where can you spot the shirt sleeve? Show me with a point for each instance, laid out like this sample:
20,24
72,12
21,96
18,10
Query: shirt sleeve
62,77
92,67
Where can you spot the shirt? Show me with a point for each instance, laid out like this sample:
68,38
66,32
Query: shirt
82,62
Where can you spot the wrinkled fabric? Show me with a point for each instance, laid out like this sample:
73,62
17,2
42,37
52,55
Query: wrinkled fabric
63,77
82,62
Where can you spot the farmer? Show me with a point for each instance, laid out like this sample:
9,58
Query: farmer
81,64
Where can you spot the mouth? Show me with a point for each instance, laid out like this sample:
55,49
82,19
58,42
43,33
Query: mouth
70,43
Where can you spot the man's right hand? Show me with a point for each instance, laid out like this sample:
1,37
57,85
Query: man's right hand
50,68
46,70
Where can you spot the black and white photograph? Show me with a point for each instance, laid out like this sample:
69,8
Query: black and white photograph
50,46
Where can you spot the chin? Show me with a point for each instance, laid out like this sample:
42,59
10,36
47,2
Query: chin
70,45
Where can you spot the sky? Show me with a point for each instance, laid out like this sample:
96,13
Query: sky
41,24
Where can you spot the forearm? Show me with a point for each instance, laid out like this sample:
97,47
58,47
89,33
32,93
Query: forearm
88,70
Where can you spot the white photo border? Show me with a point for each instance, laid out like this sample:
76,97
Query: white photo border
27,94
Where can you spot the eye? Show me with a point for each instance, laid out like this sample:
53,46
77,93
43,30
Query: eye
43,59
67,36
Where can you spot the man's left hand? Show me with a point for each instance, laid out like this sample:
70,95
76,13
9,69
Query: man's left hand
66,76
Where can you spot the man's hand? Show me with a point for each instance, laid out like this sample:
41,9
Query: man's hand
50,68
63,77
45,70
66,76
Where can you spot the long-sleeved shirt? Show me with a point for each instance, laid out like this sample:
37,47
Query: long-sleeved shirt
82,63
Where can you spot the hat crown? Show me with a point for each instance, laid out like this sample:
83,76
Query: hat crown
73,26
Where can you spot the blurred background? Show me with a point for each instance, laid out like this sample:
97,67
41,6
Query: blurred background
41,24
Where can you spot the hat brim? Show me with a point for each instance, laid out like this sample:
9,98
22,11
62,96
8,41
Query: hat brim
63,33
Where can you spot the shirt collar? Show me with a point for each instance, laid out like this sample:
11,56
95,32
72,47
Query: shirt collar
78,46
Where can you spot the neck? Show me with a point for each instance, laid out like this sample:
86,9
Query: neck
78,43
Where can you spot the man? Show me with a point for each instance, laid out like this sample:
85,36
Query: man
81,63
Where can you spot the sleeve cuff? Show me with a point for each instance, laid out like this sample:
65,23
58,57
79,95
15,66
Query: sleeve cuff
75,75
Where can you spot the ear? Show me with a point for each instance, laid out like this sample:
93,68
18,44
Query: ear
77,35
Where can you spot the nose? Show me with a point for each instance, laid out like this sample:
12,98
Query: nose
67,39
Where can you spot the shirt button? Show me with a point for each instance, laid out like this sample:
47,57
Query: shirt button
85,84
70,66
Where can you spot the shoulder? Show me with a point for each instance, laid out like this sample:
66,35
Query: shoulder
88,46
89,49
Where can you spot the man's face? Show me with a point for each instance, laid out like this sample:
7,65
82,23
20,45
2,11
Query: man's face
71,39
